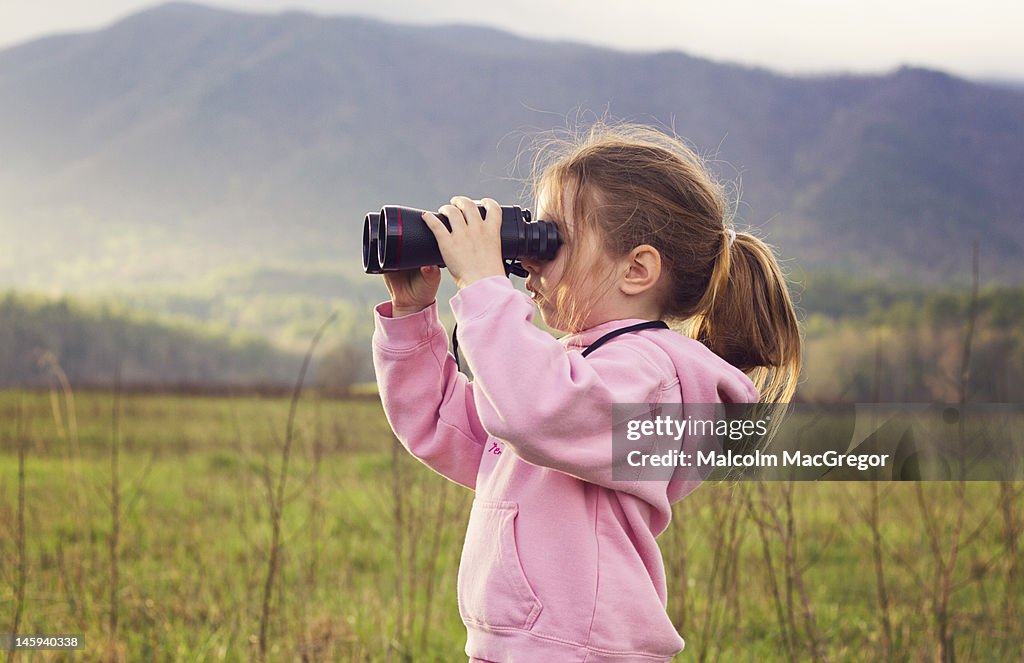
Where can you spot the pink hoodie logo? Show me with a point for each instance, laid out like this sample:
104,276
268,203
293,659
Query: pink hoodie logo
495,449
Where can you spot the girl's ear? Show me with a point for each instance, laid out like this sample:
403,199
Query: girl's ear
642,269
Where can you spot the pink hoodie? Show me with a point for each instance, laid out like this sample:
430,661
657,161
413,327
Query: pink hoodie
560,562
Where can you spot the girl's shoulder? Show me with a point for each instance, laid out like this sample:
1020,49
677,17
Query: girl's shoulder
705,377
640,352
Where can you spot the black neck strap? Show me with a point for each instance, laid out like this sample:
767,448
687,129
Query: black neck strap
511,267
650,324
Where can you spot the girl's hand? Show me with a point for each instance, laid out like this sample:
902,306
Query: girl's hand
472,250
412,290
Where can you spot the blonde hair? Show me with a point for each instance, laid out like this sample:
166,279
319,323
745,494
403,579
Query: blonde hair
631,185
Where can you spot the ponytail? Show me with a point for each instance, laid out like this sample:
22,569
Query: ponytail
746,316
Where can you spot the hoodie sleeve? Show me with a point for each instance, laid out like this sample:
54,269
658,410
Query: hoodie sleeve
427,401
552,407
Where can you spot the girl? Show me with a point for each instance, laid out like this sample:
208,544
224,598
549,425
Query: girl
560,562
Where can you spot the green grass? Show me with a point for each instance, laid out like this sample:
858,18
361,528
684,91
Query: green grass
360,558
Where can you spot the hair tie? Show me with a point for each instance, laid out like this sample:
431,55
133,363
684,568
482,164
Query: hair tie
731,234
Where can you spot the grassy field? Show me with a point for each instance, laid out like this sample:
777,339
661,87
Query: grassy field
147,523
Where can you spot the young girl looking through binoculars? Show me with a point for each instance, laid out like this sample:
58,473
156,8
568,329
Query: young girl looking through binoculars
560,561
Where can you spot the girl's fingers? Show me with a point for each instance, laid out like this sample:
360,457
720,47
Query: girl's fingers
441,233
493,210
455,216
431,220
468,208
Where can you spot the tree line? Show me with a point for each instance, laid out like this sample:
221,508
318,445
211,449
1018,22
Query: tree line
864,341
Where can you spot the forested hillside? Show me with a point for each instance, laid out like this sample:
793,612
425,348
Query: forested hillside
90,345
862,343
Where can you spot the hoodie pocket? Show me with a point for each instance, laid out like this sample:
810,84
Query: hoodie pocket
493,590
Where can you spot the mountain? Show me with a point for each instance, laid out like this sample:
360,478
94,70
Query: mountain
184,139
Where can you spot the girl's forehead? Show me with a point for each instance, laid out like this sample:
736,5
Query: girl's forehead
551,205
544,200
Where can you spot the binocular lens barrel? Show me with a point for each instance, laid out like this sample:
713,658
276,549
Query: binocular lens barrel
371,256
402,239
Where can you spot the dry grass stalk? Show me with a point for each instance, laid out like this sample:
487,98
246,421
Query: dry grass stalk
115,512
1012,526
873,520
19,534
276,494
725,538
945,563
795,576
398,505
783,608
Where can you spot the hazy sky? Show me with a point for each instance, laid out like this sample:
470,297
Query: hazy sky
978,38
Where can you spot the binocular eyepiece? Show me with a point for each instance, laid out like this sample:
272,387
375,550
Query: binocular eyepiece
397,238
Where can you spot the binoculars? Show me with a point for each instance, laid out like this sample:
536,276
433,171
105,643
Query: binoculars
397,238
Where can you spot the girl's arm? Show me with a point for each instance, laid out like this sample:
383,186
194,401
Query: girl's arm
552,407
428,403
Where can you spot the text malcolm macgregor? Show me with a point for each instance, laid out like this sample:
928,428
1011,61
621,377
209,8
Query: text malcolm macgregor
756,458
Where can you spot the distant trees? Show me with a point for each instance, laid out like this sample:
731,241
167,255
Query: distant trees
344,365
917,337
89,342
906,340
